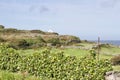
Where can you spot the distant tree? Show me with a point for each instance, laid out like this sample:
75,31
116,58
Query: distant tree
2,27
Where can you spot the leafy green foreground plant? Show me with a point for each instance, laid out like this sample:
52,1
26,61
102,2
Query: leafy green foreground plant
53,66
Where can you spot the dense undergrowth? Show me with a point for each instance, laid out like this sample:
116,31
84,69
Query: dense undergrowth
53,66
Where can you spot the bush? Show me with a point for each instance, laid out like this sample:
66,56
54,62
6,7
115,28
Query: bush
105,45
37,31
2,40
92,53
27,43
14,46
23,44
40,40
68,40
1,27
116,60
54,41
36,43
51,33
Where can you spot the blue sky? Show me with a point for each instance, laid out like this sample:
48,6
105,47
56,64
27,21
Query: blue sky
87,19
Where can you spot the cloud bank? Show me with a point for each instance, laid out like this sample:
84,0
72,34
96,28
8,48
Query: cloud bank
109,3
40,9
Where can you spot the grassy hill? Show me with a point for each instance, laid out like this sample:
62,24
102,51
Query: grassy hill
34,38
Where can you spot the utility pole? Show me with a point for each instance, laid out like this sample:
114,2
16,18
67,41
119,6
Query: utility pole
98,47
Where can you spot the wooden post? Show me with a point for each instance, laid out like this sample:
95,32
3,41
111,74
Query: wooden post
98,47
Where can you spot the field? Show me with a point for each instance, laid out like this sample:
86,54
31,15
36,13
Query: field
105,52
77,50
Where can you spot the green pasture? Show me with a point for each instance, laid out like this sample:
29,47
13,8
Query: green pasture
105,52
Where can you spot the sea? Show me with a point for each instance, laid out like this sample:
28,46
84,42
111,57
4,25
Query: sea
113,42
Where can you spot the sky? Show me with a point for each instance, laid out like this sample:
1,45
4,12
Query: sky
86,19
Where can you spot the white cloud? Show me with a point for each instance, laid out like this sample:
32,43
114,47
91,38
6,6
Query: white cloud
109,3
40,9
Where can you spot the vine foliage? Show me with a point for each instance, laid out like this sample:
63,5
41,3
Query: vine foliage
54,66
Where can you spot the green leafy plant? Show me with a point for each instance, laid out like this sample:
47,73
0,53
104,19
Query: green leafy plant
53,66
93,53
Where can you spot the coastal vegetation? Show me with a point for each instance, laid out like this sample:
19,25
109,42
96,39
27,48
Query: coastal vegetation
47,65
40,55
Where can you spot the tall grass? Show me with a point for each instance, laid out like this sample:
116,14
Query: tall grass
5,75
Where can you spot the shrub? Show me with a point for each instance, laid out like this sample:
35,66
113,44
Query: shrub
54,41
37,31
27,43
51,33
36,43
116,60
105,45
1,27
68,40
92,53
13,45
2,40
23,44
40,40
10,30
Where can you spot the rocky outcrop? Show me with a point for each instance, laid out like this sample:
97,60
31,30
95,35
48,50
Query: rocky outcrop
112,75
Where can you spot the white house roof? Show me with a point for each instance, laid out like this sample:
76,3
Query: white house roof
50,30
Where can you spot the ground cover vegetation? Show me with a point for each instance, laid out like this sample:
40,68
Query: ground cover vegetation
39,55
53,66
